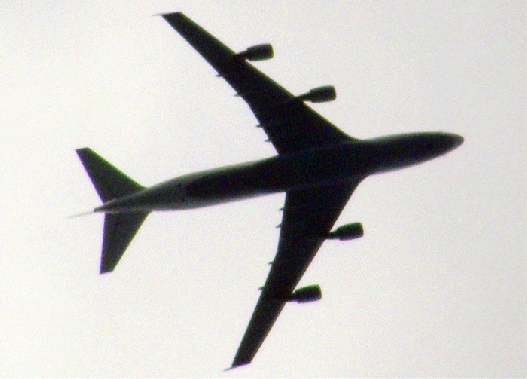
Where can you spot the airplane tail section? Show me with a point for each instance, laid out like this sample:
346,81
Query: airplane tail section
119,228
109,182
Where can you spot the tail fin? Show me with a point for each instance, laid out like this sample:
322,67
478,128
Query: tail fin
119,228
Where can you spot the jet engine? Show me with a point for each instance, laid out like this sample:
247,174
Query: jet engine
347,232
319,95
306,294
257,53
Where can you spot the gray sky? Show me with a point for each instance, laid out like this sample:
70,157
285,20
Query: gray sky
437,285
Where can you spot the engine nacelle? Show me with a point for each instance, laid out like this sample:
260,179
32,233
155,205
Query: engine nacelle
257,53
319,95
347,232
306,294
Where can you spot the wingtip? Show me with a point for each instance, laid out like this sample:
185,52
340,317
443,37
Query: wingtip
105,270
236,365
82,150
166,15
105,267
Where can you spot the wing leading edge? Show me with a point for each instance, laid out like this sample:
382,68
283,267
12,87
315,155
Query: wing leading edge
289,123
309,215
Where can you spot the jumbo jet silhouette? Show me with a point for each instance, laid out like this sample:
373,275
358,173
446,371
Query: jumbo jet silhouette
318,167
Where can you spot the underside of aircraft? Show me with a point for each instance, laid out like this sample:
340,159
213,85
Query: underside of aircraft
317,165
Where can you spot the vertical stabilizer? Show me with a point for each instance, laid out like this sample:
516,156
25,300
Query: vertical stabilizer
119,228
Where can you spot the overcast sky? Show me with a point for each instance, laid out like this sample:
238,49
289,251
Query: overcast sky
437,285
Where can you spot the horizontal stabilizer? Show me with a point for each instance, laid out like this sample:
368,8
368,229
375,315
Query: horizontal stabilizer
119,229
109,182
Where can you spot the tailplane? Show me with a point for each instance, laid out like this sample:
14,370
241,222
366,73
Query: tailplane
109,182
119,228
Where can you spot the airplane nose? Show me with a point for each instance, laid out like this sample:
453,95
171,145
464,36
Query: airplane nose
410,149
445,142
456,140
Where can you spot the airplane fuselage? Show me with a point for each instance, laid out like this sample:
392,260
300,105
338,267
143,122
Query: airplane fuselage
318,166
354,159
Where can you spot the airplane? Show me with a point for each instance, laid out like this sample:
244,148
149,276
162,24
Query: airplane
318,166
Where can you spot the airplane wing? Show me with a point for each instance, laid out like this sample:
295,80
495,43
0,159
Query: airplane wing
309,214
291,126
289,123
